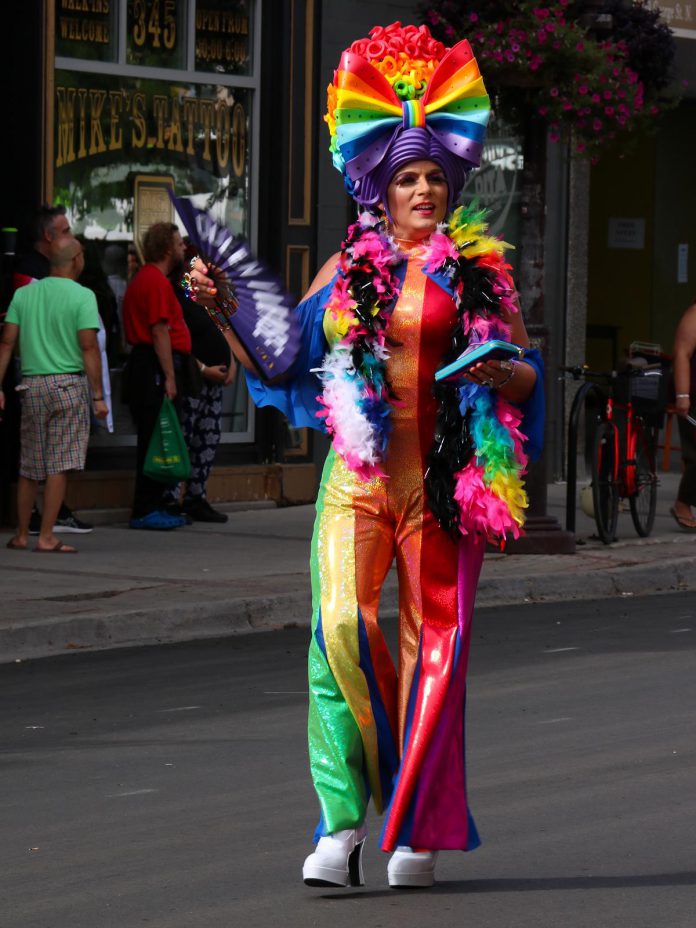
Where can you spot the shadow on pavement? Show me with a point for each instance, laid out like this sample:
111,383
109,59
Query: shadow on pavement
524,885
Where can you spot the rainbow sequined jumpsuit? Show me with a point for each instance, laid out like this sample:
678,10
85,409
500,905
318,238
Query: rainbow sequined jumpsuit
395,734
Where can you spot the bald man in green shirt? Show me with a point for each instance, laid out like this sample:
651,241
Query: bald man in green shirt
55,321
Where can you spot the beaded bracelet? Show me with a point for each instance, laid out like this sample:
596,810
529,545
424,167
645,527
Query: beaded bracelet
513,371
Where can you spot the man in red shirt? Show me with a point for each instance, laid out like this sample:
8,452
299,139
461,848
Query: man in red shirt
159,361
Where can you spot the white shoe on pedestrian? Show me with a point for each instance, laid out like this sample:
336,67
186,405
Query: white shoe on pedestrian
337,860
411,868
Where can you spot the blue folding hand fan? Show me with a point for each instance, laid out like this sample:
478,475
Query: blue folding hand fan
250,298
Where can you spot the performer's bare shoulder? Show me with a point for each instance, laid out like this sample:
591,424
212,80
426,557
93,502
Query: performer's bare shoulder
324,275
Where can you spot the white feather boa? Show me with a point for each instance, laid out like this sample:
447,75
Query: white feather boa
344,399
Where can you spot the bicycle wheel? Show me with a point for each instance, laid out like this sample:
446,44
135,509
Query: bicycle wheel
644,498
605,490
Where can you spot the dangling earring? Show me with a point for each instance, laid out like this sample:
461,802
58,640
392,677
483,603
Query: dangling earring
384,219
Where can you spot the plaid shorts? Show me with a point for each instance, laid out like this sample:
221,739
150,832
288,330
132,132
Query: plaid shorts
55,425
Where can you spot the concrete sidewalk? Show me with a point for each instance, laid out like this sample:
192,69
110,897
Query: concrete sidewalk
127,587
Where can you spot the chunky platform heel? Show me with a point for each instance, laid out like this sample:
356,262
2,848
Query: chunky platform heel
409,868
355,867
337,860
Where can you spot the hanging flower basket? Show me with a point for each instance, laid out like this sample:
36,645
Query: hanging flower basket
544,59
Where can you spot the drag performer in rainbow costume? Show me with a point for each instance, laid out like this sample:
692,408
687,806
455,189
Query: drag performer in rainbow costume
422,473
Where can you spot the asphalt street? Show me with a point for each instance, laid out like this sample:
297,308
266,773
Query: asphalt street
167,787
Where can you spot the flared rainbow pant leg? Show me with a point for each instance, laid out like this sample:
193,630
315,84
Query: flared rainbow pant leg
429,806
369,736
352,681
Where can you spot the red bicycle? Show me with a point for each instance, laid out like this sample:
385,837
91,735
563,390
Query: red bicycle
623,459
623,455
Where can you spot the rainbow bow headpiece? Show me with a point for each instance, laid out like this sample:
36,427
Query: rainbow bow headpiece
367,110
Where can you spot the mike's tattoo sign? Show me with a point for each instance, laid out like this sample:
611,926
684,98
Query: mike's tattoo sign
108,129
96,120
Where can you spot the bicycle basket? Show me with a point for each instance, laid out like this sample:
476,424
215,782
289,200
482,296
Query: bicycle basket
646,388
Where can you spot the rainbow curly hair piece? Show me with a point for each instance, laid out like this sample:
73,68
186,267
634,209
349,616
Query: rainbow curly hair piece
400,96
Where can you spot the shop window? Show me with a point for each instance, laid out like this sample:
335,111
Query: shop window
124,134
497,186
90,34
224,36
156,33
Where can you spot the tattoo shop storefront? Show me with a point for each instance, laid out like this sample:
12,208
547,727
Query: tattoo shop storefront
147,96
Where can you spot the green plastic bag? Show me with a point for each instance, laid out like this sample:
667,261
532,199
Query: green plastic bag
167,459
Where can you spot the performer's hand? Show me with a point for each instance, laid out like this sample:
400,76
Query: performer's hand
203,286
170,388
489,373
101,410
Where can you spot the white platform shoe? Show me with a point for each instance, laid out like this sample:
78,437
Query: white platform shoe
411,868
337,860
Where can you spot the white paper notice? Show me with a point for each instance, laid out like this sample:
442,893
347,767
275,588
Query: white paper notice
626,233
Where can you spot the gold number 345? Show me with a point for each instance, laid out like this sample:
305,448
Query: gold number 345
151,25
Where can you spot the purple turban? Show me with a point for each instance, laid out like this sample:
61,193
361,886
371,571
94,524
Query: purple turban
408,145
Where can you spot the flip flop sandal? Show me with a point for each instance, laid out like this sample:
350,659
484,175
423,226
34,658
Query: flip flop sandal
682,521
58,548
13,546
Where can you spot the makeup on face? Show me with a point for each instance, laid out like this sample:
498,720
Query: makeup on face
417,196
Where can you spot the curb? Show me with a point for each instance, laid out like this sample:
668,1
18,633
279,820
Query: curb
235,616
100,517
101,632
629,580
